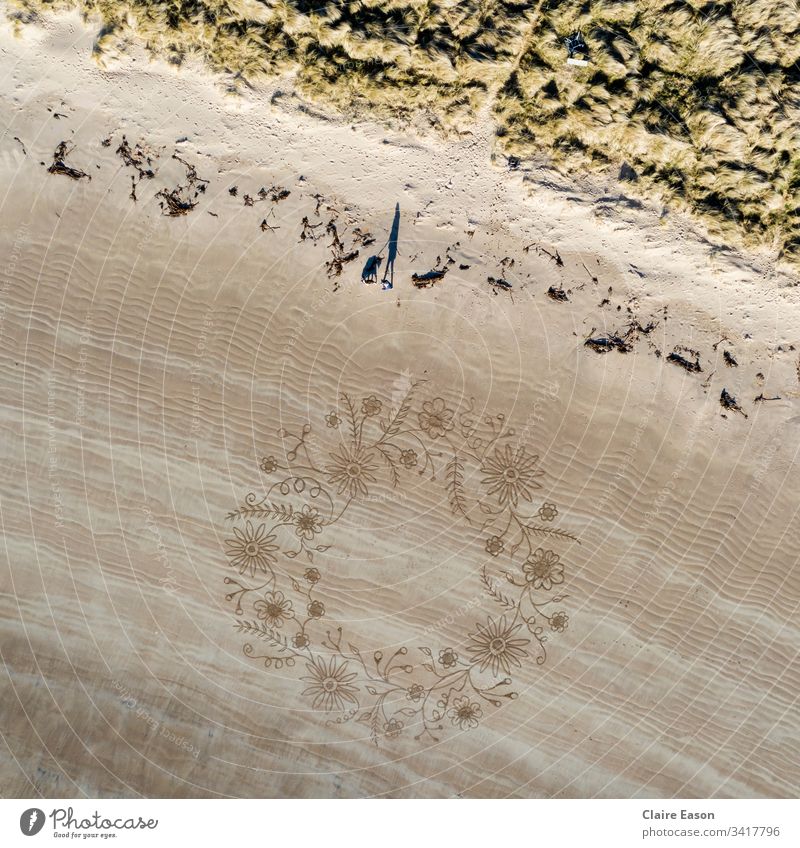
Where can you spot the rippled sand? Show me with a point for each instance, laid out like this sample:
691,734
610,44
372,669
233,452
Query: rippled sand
158,369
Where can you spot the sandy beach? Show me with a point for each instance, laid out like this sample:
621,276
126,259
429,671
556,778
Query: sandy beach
522,525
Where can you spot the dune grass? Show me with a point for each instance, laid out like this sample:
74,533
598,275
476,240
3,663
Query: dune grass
700,98
355,55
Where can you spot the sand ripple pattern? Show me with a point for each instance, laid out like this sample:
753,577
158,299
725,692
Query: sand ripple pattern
157,369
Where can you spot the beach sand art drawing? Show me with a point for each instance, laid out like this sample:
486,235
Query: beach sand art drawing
385,416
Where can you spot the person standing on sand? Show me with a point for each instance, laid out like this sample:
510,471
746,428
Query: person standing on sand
369,273
388,275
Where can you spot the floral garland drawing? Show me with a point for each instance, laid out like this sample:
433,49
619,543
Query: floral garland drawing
279,538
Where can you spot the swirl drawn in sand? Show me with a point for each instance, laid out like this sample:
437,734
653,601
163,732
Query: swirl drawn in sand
280,538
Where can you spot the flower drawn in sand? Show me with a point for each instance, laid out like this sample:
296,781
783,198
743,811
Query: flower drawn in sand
415,692
435,418
300,640
371,406
275,609
269,464
511,474
487,480
330,684
308,522
448,657
252,550
465,713
548,512
497,645
543,569
494,545
408,458
351,470
316,609
393,728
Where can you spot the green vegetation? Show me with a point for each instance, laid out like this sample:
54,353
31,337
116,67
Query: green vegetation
700,98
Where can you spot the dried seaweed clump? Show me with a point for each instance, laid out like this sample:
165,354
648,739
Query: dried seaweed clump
59,165
183,198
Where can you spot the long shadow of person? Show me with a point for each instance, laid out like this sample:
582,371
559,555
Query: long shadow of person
388,275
